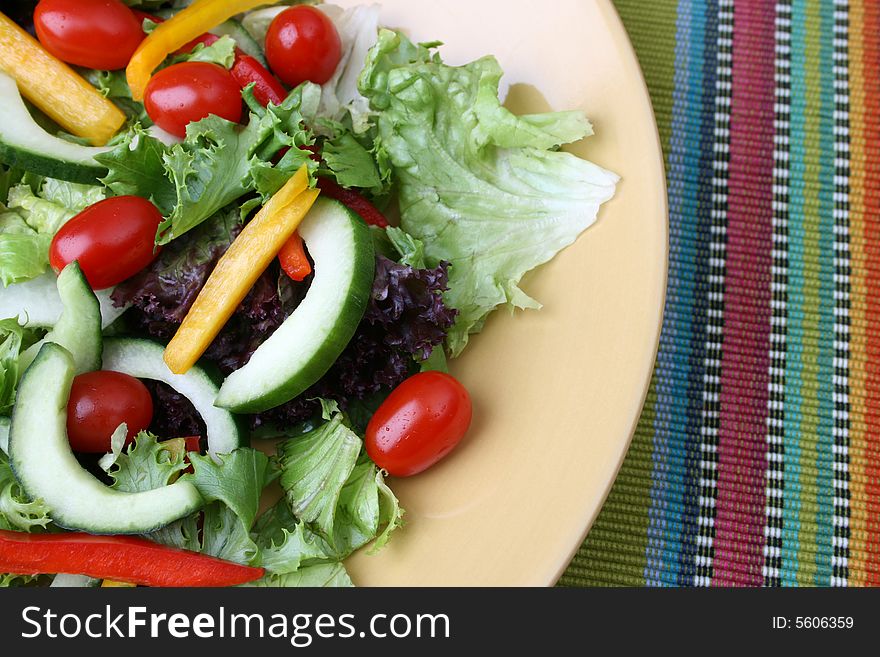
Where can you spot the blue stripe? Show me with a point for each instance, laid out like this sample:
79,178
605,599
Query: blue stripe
678,408
706,55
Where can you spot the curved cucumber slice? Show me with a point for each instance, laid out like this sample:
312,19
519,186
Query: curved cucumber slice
37,304
26,145
142,359
4,435
46,468
304,347
79,328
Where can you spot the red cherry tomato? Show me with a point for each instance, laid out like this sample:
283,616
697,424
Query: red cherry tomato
188,92
99,403
303,45
422,420
100,34
112,240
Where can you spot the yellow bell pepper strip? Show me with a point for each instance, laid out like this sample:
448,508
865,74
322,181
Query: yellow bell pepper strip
168,37
237,271
55,88
113,584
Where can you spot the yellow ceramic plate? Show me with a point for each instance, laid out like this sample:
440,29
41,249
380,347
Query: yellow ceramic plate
556,392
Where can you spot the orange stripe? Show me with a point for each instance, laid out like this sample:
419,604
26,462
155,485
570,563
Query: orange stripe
865,231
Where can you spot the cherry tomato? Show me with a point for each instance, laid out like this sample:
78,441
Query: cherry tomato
188,92
303,45
99,403
422,420
112,240
100,34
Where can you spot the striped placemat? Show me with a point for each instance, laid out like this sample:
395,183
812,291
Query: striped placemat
757,457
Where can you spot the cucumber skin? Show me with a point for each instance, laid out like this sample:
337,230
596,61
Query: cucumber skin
14,156
54,351
349,318
81,316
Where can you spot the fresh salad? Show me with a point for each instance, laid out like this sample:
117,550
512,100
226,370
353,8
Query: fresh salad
227,221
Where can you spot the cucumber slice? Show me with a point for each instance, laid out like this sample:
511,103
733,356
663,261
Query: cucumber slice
46,468
37,304
242,38
142,359
79,328
305,346
25,145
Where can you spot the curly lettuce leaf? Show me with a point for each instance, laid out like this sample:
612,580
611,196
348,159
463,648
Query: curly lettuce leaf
17,511
56,202
147,464
217,164
30,221
483,189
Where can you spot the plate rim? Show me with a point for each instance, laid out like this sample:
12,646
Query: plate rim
621,36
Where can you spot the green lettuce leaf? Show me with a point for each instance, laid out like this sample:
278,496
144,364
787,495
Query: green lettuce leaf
366,504
225,537
326,575
147,464
483,189
333,489
352,164
11,342
56,202
24,253
30,221
314,469
221,52
237,481
17,511
294,550
217,164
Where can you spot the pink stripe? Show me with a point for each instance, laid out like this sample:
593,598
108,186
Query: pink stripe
739,523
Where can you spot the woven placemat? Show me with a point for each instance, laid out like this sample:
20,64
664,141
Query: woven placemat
757,458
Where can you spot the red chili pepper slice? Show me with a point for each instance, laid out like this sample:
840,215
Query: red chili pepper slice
119,558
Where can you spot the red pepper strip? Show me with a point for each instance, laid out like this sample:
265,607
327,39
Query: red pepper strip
293,259
267,88
354,201
246,70
119,558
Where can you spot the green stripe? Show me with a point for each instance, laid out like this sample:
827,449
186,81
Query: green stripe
614,552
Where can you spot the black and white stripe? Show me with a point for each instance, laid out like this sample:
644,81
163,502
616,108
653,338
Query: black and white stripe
779,300
715,312
840,432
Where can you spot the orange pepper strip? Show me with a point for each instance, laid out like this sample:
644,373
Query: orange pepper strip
55,88
168,37
293,259
237,271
